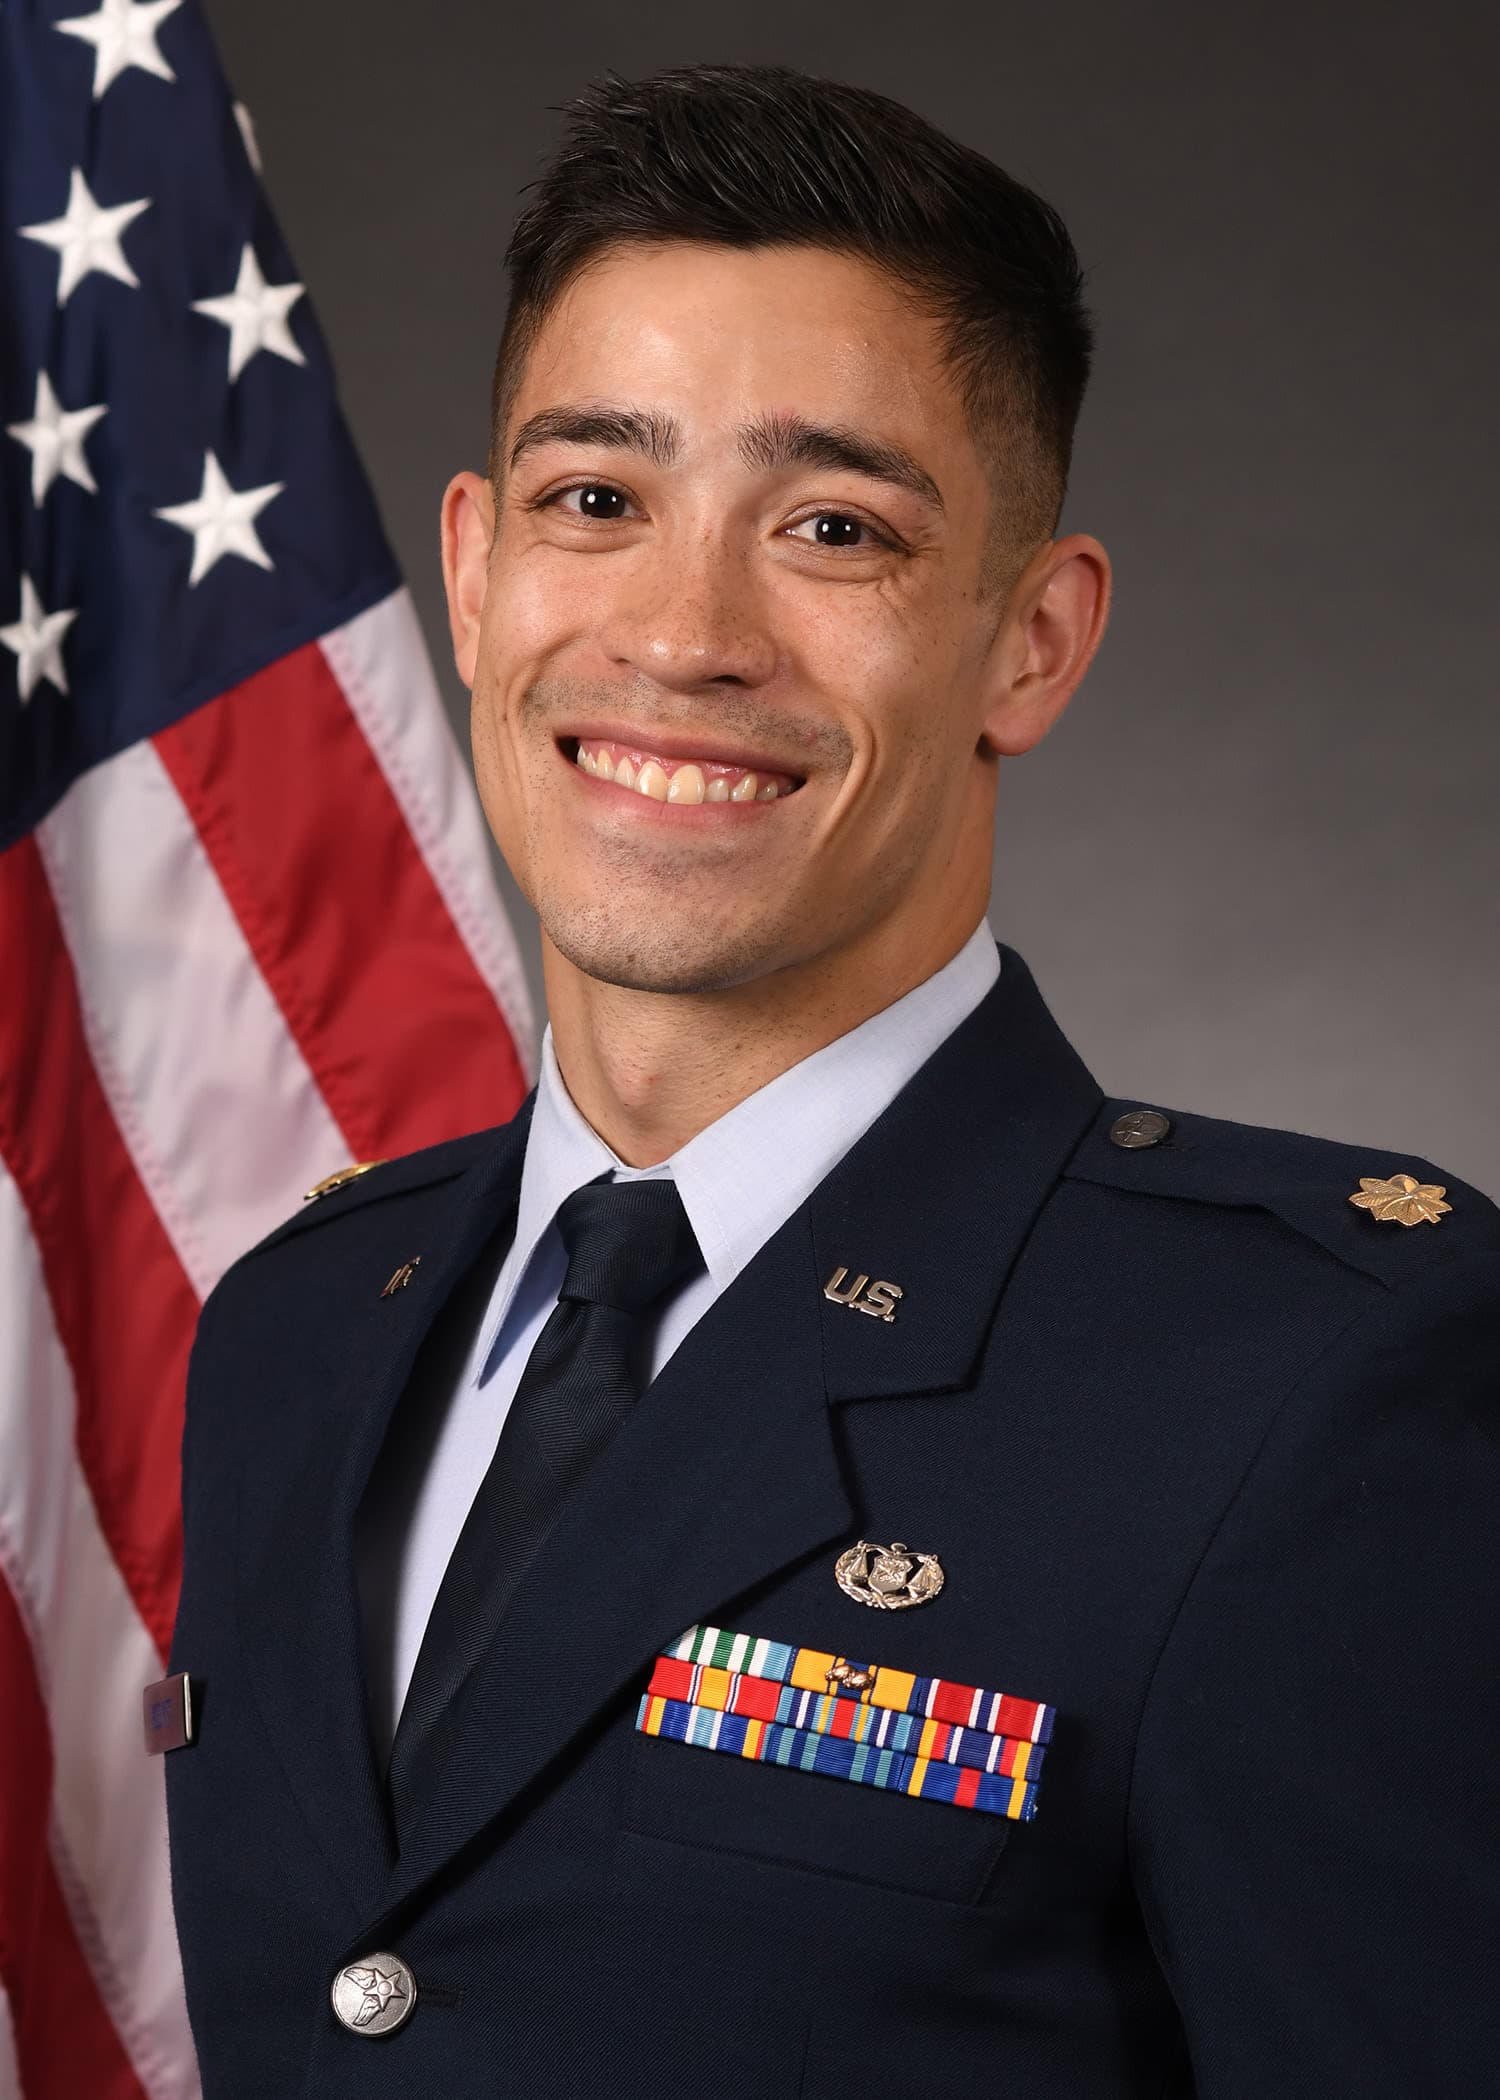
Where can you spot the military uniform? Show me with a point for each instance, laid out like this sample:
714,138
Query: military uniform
1178,1782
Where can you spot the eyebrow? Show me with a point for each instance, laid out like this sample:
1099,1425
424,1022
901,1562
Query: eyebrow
772,442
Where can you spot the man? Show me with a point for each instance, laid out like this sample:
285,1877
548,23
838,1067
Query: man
826,1555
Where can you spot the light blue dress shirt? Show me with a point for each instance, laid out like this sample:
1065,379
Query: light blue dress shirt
740,1180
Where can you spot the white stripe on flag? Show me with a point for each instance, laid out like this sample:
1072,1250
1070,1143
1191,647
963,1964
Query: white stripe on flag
182,1027
380,661
93,1657
10,2070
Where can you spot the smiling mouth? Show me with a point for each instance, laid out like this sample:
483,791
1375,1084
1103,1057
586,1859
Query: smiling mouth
684,781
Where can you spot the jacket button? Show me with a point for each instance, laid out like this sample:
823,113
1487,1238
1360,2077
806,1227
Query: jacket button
375,1995
1143,1126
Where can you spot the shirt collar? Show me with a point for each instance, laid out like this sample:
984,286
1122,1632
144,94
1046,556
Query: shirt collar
743,1176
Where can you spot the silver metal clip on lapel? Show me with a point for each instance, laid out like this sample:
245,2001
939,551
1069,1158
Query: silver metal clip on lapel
167,1712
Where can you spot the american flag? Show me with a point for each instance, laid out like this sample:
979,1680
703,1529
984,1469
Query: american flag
247,929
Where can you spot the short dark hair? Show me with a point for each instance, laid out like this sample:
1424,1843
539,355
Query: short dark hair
765,156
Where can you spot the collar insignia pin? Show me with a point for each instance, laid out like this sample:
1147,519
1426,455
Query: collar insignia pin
402,1277
340,1180
876,1299
1401,1200
888,1578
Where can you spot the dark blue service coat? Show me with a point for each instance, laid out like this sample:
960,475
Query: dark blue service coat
1211,1461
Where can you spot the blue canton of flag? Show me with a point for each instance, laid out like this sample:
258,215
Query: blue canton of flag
181,500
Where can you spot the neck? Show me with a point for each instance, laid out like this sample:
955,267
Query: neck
649,1070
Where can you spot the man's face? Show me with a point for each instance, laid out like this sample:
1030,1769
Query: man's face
739,531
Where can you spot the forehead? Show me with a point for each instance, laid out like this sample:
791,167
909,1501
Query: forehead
715,334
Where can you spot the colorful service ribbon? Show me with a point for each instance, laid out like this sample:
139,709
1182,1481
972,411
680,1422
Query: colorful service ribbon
819,1712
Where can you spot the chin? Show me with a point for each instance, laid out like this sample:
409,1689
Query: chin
661,957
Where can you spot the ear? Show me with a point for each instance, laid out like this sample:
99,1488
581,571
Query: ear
468,529
1056,619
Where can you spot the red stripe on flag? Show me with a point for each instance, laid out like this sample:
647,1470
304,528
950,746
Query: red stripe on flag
66,2045
124,1309
340,911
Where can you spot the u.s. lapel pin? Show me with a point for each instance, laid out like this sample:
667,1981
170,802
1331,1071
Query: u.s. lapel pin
876,1299
402,1277
888,1578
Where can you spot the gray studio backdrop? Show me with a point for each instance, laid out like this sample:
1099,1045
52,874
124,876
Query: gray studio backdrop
1256,867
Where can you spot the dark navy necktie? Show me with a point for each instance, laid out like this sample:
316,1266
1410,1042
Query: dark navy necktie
629,1244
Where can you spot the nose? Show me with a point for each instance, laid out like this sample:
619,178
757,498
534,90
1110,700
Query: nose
688,615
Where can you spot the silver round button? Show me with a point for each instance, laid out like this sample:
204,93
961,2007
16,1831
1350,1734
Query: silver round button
1143,1126
375,1995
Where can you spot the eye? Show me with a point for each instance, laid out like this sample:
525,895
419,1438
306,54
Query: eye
839,530
596,499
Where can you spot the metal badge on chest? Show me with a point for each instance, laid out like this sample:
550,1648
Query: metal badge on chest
888,1578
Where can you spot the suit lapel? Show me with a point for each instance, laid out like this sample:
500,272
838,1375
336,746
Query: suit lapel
299,1606
727,1472
940,1194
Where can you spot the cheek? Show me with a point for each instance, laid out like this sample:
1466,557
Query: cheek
484,742
530,607
491,775
525,624
897,677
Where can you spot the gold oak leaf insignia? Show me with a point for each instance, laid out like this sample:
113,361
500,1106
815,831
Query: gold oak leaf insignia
1401,1199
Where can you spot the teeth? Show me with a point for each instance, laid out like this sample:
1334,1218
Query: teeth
687,784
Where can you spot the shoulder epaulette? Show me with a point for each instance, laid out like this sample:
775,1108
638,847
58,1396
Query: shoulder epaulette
1382,1212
